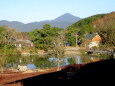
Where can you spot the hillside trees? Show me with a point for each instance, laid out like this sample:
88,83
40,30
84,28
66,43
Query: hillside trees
105,26
84,26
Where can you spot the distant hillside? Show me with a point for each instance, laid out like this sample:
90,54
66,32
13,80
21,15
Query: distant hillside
62,21
85,25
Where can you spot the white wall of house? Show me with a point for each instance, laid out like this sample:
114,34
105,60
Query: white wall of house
93,44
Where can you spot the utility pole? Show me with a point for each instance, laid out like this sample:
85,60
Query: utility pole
76,39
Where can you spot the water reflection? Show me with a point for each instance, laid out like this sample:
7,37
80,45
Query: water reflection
33,62
31,66
62,61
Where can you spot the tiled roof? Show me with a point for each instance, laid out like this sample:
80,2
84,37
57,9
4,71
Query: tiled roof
90,36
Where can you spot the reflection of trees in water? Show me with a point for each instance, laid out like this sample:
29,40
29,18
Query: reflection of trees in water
86,59
13,61
75,59
2,63
43,62
40,62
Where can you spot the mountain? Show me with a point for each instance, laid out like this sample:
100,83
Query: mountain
62,21
66,18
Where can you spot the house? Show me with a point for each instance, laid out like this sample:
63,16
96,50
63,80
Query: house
92,40
23,43
23,40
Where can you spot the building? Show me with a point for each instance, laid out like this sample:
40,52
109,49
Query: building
23,43
92,40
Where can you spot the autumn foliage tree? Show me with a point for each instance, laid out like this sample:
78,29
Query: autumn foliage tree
105,26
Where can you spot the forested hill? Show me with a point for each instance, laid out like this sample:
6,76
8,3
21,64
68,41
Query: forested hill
82,27
85,25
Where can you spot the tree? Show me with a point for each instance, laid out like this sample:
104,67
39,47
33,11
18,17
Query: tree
57,49
105,26
70,35
7,35
47,26
42,38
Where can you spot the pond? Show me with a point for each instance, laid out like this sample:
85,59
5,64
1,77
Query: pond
33,62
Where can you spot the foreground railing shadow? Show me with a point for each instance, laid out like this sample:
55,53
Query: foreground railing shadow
100,72
97,72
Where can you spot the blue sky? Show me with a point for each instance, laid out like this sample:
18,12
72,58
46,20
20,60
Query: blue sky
37,10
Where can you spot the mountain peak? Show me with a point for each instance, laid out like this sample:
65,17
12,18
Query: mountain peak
67,14
67,17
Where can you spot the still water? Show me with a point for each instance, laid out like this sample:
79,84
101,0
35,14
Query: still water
33,62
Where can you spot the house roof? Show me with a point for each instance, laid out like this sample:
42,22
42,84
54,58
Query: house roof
90,36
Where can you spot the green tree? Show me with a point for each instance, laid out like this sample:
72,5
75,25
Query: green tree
47,26
70,35
42,38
